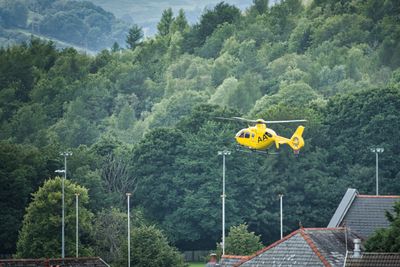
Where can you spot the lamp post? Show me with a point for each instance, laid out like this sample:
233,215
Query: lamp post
377,150
62,213
129,231
65,154
223,196
77,222
281,211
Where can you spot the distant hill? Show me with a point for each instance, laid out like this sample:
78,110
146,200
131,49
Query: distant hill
75,23
148,13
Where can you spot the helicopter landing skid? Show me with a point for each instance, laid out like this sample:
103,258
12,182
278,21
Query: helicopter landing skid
254,151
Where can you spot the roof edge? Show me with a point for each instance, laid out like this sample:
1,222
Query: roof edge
379,196
286,238
267,248
314,248
343,207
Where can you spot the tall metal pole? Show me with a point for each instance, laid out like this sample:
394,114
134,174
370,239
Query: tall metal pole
377,150
223,196
77,223
281,211
129,231
65,154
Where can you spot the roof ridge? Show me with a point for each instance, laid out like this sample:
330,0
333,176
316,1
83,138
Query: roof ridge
323,228
268,247
379,196
314,248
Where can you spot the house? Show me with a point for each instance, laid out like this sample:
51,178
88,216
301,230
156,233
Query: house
305,247
363,214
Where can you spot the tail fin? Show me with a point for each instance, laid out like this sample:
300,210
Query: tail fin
296,141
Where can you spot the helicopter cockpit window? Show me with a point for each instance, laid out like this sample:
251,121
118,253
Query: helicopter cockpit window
240,134
246,135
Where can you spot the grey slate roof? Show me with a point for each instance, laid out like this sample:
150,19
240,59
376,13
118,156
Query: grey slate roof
374,260
232,260
363,214
305,247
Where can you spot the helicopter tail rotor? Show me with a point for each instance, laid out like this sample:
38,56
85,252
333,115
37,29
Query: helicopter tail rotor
296,141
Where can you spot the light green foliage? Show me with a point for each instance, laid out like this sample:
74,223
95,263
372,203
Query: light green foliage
296,94
171,110
180,23
39,236
188,73
241,242
223,67
150,248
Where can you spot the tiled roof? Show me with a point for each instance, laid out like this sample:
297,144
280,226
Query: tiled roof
305,247
363,214
231,260
374,259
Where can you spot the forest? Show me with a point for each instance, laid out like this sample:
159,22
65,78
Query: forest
69,23
143,120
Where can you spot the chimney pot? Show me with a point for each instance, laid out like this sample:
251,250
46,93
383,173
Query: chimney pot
357,248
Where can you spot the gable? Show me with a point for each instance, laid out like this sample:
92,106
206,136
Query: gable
294,251
367,214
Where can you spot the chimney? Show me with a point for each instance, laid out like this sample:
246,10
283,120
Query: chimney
357,249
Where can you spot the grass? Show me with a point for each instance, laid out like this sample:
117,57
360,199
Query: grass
197,264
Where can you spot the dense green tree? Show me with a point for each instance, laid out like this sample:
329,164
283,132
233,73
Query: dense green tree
240,241
164,26
135,35
151,248
39,236
210,20
21,168
180,22
386,240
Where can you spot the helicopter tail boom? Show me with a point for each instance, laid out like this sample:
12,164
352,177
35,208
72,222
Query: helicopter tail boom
296,141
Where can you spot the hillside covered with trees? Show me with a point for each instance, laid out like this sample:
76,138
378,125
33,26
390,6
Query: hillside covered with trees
78,23
142,120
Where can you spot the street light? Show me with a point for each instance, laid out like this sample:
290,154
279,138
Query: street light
62,216
77,222
65,154
129,232
281,211
377,150
223,196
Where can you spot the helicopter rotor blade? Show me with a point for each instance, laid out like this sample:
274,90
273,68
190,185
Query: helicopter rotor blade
259,120
284,121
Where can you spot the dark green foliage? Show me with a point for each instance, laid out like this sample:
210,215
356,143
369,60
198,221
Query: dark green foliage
333,63
150,248
387,240
164,26
22,169
135,35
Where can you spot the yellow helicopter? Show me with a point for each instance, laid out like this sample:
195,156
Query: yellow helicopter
260,138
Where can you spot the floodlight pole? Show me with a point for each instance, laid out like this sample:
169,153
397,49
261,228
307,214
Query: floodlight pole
129,231
377,150
65,154
223,196
281,212
77,223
